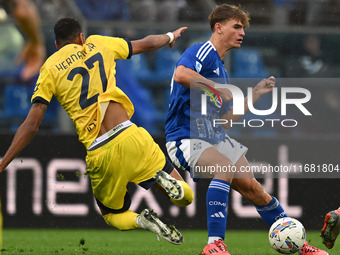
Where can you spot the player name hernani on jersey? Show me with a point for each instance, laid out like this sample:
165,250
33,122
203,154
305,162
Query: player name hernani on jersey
81,54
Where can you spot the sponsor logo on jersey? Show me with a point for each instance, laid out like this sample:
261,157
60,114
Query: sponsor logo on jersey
198,66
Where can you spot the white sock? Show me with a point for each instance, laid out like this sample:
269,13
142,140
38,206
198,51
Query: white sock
212,239
139,222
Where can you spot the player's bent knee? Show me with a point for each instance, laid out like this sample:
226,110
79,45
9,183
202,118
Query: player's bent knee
122,221
188,196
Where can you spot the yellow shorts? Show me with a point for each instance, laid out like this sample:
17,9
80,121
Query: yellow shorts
132,156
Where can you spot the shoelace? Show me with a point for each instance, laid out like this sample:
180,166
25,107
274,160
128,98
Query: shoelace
309,248
221,245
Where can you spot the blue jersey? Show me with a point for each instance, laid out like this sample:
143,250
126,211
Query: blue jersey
184,118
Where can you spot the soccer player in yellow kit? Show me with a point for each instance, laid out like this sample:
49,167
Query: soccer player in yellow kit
81,76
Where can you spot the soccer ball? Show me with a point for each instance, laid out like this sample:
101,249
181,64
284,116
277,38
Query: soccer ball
287,235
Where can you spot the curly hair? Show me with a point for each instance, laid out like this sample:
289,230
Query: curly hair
66,30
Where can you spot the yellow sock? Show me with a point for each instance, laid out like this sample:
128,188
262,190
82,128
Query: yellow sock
123,221
188,196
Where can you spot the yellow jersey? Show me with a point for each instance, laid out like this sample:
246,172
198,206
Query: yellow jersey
82,79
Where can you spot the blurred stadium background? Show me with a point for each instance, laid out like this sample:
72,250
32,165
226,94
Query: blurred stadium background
297,41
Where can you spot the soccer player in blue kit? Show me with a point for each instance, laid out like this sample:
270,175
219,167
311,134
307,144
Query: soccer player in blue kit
194,141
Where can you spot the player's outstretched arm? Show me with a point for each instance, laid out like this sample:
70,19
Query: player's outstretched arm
24,134
154,42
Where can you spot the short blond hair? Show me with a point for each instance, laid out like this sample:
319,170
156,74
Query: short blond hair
226,12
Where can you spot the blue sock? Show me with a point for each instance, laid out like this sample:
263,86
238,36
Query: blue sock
271,212
217,201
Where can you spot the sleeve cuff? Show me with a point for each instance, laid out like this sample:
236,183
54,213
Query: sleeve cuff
130,48
40,100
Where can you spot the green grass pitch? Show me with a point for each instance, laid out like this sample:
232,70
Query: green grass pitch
137,242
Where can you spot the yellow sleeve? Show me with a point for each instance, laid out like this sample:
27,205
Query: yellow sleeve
44,88
119,47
